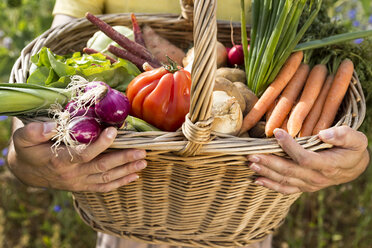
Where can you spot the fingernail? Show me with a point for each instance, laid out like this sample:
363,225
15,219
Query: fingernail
327,134
140,165
259,183
254,159
279,134
133,178
111,133
255,167
48,127
139,154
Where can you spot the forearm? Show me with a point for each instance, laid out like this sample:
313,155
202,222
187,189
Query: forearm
60,19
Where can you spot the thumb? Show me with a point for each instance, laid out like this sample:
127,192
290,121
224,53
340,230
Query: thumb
34,133
344,137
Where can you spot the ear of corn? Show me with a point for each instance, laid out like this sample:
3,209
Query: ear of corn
19,99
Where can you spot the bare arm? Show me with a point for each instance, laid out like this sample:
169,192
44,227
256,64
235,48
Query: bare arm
60,19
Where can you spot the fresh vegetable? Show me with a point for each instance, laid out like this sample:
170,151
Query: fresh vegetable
19,99
223,84
274,35
232,74
131,46
88,50
84,129
236,55
124,54
287,99
140,125
138,37
112,108
74,111
161,96
226,112
249,97
55,71
313,86
221,57
100,41
258,131
335,95
313,117
273,91
161,47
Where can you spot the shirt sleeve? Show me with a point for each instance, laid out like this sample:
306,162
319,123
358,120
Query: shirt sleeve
78,8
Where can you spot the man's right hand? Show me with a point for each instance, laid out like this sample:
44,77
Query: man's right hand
32,160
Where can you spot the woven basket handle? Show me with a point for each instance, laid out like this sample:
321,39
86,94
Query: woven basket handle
197,126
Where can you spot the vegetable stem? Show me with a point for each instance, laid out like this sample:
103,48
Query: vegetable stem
334,39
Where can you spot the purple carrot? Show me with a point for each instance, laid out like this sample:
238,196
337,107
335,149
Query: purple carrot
89,50
124,54
138,37
123,41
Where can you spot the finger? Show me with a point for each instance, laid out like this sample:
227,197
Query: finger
344,137
116,173
108,161
106,187
34,133
276,177
300,155
284,189
84,154
288,169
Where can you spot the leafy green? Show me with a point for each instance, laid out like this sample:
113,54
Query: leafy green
55,71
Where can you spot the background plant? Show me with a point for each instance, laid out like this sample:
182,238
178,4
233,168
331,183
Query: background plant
335,217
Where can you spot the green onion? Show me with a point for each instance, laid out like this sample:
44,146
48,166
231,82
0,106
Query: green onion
333,40
274,35
19,99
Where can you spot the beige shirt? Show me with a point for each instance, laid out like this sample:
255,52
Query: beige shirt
226,9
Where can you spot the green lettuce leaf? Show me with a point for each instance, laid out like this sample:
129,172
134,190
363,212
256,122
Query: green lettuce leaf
55,71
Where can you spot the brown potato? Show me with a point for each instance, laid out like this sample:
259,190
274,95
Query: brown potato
249,97
232,74
223,84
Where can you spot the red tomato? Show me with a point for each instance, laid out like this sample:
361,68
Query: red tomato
161,97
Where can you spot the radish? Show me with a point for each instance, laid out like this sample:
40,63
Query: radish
236,55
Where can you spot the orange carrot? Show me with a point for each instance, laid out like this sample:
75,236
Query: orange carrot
272,92
270,110
311,91
313,117
287,99
335,95
284,124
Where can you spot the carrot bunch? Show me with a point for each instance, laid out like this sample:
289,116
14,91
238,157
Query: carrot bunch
301,100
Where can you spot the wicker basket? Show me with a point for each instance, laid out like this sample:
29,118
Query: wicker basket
197,189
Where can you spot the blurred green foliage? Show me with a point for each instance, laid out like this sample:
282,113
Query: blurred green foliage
339,216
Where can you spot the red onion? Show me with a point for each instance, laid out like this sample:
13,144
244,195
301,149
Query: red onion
236,55
84,129
71,107
113,108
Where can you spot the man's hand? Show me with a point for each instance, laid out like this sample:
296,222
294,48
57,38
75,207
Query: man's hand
310,171
31,159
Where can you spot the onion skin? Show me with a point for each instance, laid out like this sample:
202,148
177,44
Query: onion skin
84,129
71,108
113,108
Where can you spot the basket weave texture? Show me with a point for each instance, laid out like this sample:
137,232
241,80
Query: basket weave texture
197,189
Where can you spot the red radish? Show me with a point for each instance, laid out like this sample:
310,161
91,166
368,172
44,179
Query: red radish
236,55
84,129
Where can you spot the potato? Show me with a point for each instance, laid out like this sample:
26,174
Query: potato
258,131
221,56
223,84
249,97
232,74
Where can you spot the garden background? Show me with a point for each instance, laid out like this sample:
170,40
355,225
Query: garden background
339,216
